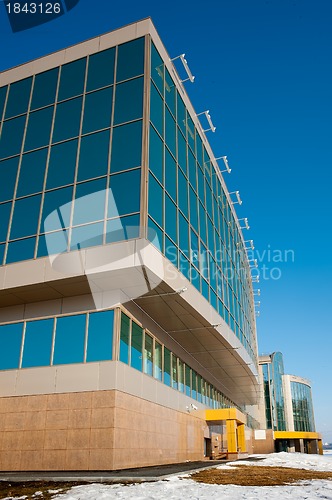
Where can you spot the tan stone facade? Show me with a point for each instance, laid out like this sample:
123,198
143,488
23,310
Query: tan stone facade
99,430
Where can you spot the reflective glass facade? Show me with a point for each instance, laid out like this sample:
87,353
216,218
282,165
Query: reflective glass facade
57,340
143,351
189,209
273,392
64,135
89,337
302,406
99,128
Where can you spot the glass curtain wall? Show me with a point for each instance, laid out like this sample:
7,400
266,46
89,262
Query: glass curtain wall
303,413
64,135
189,210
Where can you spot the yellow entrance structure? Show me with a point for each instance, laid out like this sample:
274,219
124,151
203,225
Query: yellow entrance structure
235,428
299,440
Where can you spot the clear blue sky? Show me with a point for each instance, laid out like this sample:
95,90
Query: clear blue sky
263,69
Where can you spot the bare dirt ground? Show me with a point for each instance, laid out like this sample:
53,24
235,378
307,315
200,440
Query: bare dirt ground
250,475
28,489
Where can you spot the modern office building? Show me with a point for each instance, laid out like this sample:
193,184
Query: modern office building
273,371
288,408
127,321
127,330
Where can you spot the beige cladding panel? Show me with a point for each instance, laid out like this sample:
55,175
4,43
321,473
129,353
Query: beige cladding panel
101,430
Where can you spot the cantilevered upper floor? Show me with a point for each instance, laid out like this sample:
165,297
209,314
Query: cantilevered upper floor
109,186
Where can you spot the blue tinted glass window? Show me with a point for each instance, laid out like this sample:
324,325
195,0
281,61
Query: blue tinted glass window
170,175
18,98
204,264
174,372
124,157
205,290
136,354
39,128
90,202
21,250
170,219
191,133
25,218
171,252
156,152
182,152
4,218
2,252
155,235
93,159
183,235
100,336
126,192
52,243
181,115
123,228
208,195
61,167
44,88
207,165
167,366
192,170
157,110
148,354
56,200
170,132
195,278
10,346
156,200
11,137
90,235
38,343
199,388
187,380
194,250
183,193
72,79
211,236
97,110
202,223
128,101
199,150
201,184
170,94
157,69
124,338
213,273
67,120
130,60
3,94
69,340
194,385
193,209
8,172
101,69
32,172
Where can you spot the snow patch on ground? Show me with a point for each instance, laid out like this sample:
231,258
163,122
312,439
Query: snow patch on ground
183,488
295,460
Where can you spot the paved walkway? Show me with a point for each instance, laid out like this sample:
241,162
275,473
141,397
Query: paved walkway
141,474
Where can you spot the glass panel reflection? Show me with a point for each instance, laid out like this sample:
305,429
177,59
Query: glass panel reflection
44,88
38,343
69,340
10,343
100,336
136,354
